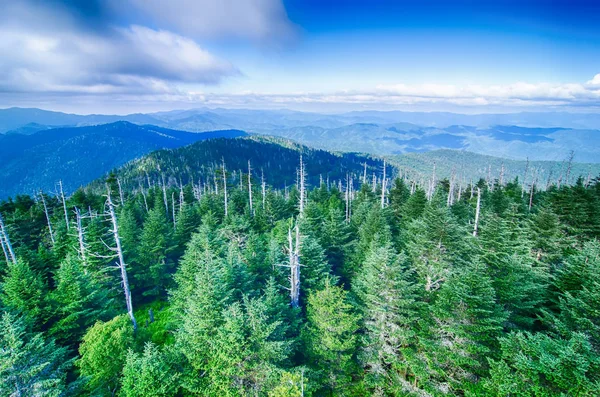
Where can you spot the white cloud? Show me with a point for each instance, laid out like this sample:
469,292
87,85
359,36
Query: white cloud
595,80
59,56
258,20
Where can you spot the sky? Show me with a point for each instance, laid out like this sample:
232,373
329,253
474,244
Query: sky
126,56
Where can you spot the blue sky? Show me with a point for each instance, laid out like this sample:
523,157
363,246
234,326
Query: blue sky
144,55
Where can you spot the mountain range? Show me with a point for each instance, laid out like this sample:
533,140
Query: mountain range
77,155
537,136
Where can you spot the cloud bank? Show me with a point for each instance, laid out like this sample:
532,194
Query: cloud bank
74,47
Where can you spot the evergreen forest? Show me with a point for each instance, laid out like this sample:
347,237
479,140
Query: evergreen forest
249,274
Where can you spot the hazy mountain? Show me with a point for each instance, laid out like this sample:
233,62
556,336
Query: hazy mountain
538,136
77,155
469,166
261,121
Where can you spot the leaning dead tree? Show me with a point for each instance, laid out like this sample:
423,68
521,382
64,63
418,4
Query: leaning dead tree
224,185
64,203
6,245
476,226
47,218
121,260
80,237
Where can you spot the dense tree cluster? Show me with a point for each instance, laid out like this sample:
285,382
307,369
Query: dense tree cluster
349,288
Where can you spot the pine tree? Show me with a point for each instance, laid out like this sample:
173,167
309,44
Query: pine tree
29,364
103,352
78,302
538,365
465,324
155,242
149,374
23,291
389,299
330,337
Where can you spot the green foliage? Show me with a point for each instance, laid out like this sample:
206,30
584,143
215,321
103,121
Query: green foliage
537,365
149,374
23,291
30,365
103,353
330,337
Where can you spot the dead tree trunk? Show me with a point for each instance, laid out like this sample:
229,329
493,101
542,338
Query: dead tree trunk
531,194
383,186
250,188
121,197
166,201
80,236
347,199
4,250
364,179
224,186
477,212
6,240
570,164
302,186
173,210
121,261
502,174
48,218
294,268
145,199
263,186
64,203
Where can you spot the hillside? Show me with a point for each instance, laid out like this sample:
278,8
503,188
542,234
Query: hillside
472,166
277,158
78,155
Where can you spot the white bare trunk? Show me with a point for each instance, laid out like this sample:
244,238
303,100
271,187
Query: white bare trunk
48,218
250,188
302,186
531,194
80,237
64,203
476,226
364,179
263,186
502,174
6,239
121,260
294,268
224,187
121,197
383,186
570,164
347,199
4,249
145,199
173,210
166,201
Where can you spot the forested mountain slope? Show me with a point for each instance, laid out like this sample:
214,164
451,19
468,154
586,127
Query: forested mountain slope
275,158
78,155
229,287
469,166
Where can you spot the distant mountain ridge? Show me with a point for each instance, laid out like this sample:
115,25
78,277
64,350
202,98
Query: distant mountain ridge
539,136
77,155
